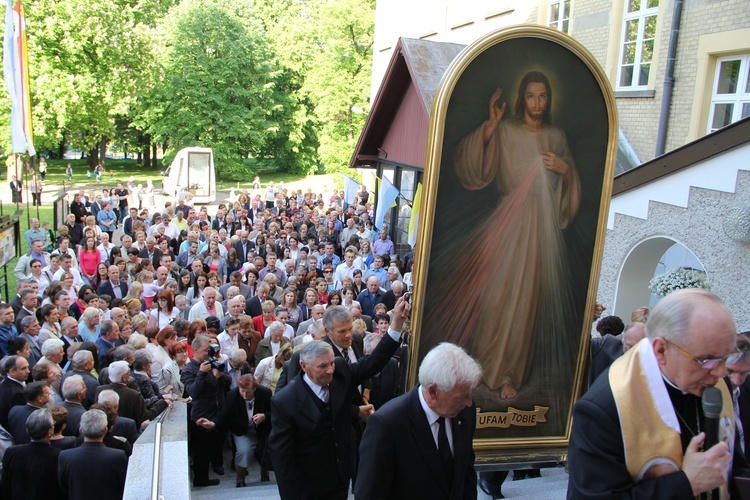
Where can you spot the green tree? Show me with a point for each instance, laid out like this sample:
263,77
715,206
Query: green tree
222,89
88,60
329,45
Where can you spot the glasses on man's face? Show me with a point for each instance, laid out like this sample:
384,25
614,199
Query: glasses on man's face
327,272
709,364
37,265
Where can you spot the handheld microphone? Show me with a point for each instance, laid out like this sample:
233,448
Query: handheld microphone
712,404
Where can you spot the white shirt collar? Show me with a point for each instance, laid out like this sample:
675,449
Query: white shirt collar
432,417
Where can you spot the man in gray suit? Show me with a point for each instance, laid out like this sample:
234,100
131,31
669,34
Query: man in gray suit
316,313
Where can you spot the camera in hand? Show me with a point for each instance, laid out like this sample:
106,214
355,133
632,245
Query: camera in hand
214,355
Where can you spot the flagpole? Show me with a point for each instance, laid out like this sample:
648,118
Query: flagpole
26,185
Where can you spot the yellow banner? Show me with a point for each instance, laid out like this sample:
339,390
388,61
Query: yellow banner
519,418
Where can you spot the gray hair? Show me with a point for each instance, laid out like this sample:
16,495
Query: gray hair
39,423
141,359
275,326
672,314
446,366
262,285
370,341
314,349
69,321
80,358
94,424
88,315
117,371
137,341
51,346
237,354
72,387
123,352
26,321
335,314
108,396
315,327
200,341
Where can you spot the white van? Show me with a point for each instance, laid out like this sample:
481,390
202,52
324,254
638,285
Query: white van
192,171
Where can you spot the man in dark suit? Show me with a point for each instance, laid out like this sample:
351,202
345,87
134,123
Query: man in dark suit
248,433
132,404
112,284
253,304
124,427
11,388
383,386
36,395
77,466
30,470
406,451
74,392
81,365
243,245
312,445
151,251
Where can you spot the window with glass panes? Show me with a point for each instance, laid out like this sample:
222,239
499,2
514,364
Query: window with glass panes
637,50
730,99
559,15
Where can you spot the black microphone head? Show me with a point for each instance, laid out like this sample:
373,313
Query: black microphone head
712,402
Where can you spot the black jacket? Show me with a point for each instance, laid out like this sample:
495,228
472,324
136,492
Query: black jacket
30,471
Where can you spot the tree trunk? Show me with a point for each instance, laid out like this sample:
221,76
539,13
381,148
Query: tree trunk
154,161
93,157
103,148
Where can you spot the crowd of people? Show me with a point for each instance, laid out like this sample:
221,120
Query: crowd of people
128,309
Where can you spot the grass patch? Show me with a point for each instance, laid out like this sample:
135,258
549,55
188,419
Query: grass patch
45,214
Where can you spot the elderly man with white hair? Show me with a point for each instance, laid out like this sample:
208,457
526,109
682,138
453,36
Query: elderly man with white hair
74,392
132,404
209,306
81,365
124,427
52,355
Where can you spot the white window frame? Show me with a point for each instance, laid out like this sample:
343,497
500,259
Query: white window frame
558,24
738,98
640,15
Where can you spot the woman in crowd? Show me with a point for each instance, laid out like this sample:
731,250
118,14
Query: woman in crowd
89,325
276,343
294,247
358,284
159,342
184,283
165,313
139,323
349,297
68,286
165,248
82,301
57,440
216,263
135,292
311,298
126,330
289,302
282,315
260,323
269,369
90,261
94,228
232,262
168,378
366,254
49,318
321,287
197,327
331,282
37,275
334,298
252,279
196,291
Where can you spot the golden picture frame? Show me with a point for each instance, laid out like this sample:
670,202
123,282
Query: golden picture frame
513,222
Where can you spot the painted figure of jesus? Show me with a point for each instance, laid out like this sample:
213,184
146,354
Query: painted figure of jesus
517,256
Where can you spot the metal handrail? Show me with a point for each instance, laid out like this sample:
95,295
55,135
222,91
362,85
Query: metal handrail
156,468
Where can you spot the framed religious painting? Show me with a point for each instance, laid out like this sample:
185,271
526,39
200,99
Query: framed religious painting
520,161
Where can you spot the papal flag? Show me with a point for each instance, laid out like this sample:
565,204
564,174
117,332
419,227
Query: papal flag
414,221
386,196
16,73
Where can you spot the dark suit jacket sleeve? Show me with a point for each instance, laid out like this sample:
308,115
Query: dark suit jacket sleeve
375,474
282,445
284,376
596,458
372,364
